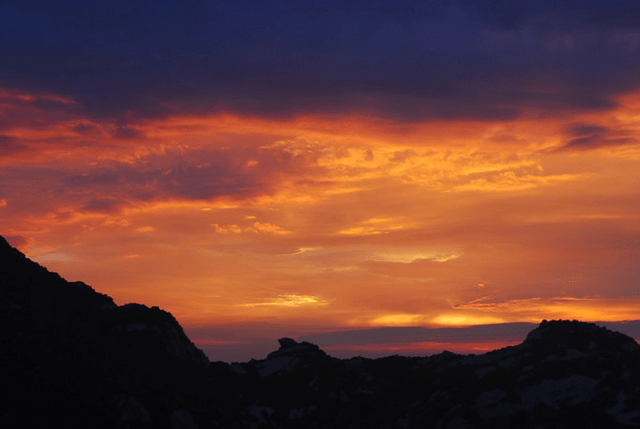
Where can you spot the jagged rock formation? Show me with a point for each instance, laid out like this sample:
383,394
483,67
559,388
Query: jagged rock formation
565,374
69,356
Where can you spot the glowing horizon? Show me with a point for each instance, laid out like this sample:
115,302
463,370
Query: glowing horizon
324,220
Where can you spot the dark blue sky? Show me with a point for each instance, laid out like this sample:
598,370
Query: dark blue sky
403,60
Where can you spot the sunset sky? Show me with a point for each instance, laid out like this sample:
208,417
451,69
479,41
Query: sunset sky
271,168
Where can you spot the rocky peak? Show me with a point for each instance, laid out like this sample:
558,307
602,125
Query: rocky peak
286,343
157,327
37,303
303,350
15,266
5,247
291,356
578,335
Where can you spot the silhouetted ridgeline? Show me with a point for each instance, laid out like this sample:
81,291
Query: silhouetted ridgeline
70,357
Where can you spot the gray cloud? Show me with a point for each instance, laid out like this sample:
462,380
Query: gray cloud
417,60
197,175
588,136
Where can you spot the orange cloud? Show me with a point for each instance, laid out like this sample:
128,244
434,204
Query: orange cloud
289,300
572,308
345,221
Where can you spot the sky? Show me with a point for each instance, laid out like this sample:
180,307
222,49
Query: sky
380,170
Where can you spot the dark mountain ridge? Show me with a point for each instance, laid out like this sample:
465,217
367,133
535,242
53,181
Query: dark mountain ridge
70,356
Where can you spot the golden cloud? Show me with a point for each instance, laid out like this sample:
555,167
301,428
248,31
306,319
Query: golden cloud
289,300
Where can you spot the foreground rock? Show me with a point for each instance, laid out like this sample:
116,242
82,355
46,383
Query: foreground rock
565,374
69,356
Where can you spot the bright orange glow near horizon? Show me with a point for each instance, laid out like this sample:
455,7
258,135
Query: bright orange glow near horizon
331,223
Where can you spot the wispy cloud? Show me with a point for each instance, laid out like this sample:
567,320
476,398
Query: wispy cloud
289,300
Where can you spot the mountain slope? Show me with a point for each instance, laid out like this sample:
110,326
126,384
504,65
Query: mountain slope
70,356
69,353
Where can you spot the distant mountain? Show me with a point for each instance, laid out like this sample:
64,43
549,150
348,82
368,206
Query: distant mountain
70,357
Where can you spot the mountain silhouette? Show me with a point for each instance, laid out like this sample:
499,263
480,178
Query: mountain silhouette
69,356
